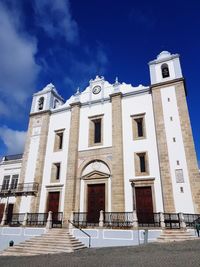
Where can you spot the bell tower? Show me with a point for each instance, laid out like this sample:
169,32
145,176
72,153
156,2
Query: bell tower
179,172
35,147
165,68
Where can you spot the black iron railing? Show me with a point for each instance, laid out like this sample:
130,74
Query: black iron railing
148,219
118,219
57,218
16,219
37,219
191,219
78,227
172,220
81,219
20,189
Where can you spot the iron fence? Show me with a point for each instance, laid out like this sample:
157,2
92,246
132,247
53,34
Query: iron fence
118,219
37,219
16,220
191,219
57,218
148,219
20,189
81,219
172,220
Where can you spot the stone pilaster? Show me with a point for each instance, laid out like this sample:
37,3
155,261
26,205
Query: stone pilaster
24,162
191,159
70,190
43,117
35,201
118,202
166,181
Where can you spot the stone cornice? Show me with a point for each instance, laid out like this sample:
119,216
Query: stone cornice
40,113
165,84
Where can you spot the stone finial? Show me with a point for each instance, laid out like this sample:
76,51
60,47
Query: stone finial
162,220
135,219
182,221
49,220
101,218
25,219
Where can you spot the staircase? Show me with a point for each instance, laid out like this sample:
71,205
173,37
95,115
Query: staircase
175,235
53,241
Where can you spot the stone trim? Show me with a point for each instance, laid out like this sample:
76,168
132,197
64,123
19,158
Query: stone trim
117,187
87,156
145,183
163,157
92,130
161,85
39,169
70,188
54,172
137,163
43,117
188,142
134,126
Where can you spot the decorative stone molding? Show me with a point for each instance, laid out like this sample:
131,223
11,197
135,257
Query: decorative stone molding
166,180
191,159
118,201
101,218
49,220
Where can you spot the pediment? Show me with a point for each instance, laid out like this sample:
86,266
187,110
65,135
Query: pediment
95,175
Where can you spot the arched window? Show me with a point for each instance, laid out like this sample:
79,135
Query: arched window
56,103
165,70
40,103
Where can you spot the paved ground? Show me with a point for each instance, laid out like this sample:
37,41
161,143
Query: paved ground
150,255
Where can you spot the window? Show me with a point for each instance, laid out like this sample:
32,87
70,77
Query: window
56,103
58,144
14,181
6,181
41,103
165,70
141,164
138,126
95,130
55,172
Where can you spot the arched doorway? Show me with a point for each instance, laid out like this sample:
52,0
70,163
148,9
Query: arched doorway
95,190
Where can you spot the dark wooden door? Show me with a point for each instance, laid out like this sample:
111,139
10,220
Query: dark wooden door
2,206
144,204
53,201
95,202
9,213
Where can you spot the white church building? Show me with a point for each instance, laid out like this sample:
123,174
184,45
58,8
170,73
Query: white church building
112,147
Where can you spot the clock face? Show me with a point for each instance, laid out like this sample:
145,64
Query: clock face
96,89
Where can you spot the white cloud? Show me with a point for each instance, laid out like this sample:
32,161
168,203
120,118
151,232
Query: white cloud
14,140
18,69
54,17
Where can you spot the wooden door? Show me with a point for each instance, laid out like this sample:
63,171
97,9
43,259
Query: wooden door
10,213
53,202
95,202
2,206
144,204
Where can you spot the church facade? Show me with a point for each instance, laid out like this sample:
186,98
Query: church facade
112,147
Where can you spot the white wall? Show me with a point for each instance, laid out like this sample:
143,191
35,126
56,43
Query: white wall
95,109
183,201
58,121
133,106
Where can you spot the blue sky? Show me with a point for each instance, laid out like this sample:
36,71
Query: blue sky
69,42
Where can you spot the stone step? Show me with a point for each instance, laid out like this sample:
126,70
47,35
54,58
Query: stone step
53,241
175,235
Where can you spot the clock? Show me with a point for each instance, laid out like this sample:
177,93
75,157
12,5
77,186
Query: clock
96,89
